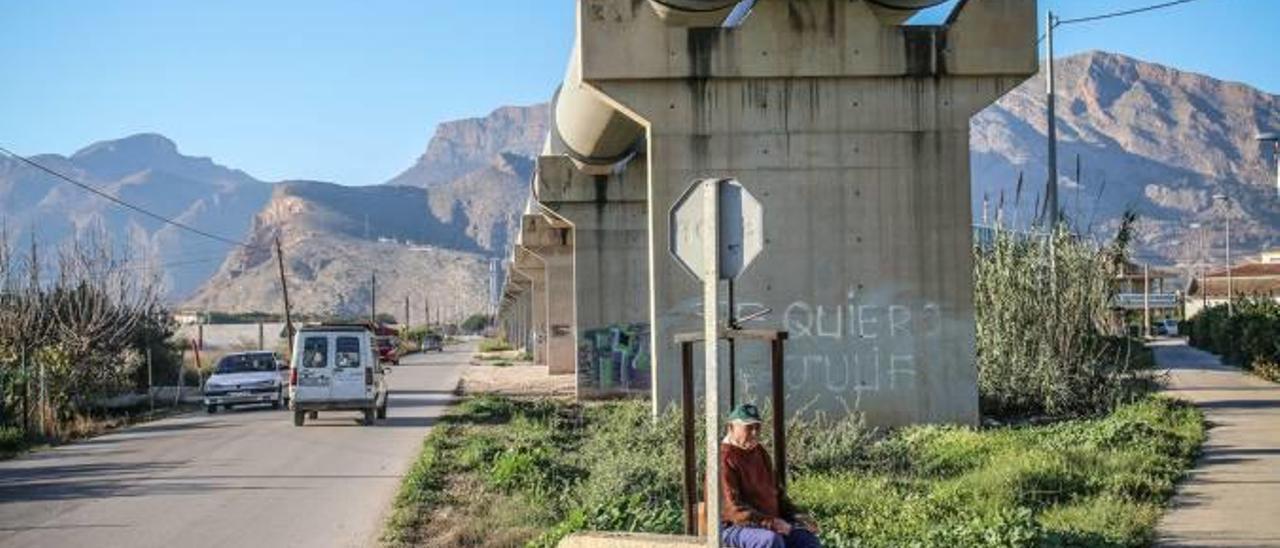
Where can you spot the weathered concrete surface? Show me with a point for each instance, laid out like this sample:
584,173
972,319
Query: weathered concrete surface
532,268
1230,497
551,240
854,135
243,478
628,540
610,270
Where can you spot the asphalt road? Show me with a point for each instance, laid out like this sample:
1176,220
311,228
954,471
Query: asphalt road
243,478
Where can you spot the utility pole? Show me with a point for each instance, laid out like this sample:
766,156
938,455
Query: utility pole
426,310
1146,300
406,311
1051,194
284,288
373,298
1231,297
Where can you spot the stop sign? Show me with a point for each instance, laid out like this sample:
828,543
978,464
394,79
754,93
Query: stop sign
739,227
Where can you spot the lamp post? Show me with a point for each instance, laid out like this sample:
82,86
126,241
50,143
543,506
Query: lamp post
1202,256
1226,200
1273,138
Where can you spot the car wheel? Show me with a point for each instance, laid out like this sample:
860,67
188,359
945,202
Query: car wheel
368,417
313,415
211,409
299,418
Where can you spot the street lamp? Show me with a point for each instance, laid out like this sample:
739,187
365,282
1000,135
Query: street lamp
1202,256
1273,138
1226,200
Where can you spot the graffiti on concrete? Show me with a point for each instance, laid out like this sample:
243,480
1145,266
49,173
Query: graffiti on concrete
857,347
614,360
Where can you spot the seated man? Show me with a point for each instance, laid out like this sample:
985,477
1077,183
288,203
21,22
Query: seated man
756,511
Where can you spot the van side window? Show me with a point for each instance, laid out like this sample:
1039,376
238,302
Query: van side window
315,352
348,351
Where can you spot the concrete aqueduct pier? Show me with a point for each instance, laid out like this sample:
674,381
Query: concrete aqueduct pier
853,131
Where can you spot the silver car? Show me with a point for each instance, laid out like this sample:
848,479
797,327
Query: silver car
245,378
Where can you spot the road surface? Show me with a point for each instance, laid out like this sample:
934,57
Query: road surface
1230,498
243,478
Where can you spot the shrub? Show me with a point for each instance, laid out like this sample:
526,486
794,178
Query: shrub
1248,338
494,345
1043,319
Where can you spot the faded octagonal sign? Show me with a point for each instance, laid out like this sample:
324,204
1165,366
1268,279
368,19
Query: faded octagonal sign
740,224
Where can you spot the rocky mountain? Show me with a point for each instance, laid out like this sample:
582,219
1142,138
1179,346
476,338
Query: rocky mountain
1146,137
336,239
428,233
483,165
147,170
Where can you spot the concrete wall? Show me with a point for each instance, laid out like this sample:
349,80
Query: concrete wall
608,214
854,135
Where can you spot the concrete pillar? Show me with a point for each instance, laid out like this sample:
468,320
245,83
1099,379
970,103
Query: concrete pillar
551,240
531,267
610,261
854,134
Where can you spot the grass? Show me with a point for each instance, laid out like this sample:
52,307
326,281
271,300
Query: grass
494,345
505,472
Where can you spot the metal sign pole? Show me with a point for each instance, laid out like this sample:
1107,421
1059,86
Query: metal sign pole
711,317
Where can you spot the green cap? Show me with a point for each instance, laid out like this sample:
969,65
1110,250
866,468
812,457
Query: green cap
745,414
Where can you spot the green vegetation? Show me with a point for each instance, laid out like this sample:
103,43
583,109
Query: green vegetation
475,323
503,472
1047,343
1248,338
12,442
494,345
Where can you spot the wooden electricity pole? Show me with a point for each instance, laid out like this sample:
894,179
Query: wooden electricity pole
284,288
406,311
373,298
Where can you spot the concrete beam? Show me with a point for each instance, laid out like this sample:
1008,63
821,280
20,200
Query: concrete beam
532,268
855,137
610,262
551,240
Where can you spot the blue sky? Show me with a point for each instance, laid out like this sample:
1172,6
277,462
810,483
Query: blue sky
350,91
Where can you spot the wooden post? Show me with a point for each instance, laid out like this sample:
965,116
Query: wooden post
151,391
779,415
262,340
1146,300
690,450
284,288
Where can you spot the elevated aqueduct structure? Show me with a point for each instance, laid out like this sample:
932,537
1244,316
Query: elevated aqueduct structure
851,127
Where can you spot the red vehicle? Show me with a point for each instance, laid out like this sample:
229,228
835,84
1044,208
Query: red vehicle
388,349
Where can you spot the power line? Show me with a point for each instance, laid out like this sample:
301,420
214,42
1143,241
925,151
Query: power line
1122,13
125,204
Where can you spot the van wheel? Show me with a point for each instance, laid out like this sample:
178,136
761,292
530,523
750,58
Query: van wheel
368,417
299,418
211,409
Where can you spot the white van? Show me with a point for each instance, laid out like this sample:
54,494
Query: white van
335,368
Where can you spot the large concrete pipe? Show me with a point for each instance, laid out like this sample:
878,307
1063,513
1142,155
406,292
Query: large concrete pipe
594,134
896,12
694,13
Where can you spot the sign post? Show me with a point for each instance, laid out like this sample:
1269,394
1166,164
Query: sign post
716,231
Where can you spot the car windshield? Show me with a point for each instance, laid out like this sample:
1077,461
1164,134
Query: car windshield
246,363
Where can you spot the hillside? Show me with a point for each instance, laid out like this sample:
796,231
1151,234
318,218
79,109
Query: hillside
147,170
1148,137
335,238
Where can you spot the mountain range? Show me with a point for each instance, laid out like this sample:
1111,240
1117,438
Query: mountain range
1132,136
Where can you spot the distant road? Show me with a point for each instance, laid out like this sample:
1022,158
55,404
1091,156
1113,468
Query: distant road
240,478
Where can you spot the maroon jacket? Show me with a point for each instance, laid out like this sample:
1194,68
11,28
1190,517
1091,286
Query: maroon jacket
748,494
